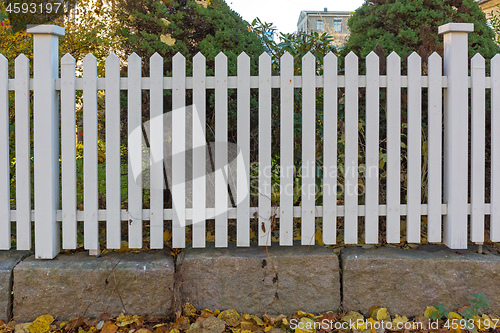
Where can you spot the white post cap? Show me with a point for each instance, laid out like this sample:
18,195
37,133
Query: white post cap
455,27
47,29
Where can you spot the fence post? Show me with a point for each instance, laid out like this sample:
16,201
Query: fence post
46,138
456,108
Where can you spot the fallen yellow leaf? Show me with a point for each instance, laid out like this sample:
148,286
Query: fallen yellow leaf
372,325
319,238
306,325
379,313
302,313
258,321
231,317
145,330
167,39
188,310
454,315
429,311
124,320
203,3
397,319
123,247
41,324
210,237
352,317
165,21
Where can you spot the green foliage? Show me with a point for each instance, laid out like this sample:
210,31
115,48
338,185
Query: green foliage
298,45
468,317
405,26
494,22
476,304
185,26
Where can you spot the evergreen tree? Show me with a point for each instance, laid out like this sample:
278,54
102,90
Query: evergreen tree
188,27
405,26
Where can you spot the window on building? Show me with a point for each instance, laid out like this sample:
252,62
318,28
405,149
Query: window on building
320,25
337,25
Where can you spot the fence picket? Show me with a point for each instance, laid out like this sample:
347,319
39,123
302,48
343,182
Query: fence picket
434,146
351,150
495,150
23,152
330,124
179,151
156,151
113,160
221,136
265,214
372,148
68,152
414,149
478,141
243,161
308,171
5,230
393,187
90,159
286,149
199,151
135,152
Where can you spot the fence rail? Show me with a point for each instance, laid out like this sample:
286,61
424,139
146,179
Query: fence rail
178,150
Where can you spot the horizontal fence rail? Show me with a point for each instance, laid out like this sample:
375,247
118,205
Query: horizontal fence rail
287,159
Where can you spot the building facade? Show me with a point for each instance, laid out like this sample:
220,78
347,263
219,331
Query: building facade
488,6
331,22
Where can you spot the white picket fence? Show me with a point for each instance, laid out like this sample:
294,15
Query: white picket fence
447,197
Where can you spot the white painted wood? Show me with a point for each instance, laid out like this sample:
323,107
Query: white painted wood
351,150
135,152
414,149
393,182
68,152
46,142
434,146
199,151
221,123
495,150
5,229
232,212
23,153
156,149
286,150
478,141
179,151
232,82
372,148
113,159
243,160
308,167
265,183
456,128
330,170
90,158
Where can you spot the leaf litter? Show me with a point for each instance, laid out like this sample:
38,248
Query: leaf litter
435,319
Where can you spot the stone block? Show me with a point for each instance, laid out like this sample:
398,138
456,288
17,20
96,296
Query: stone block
255,280
406,281
78,284
8,260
